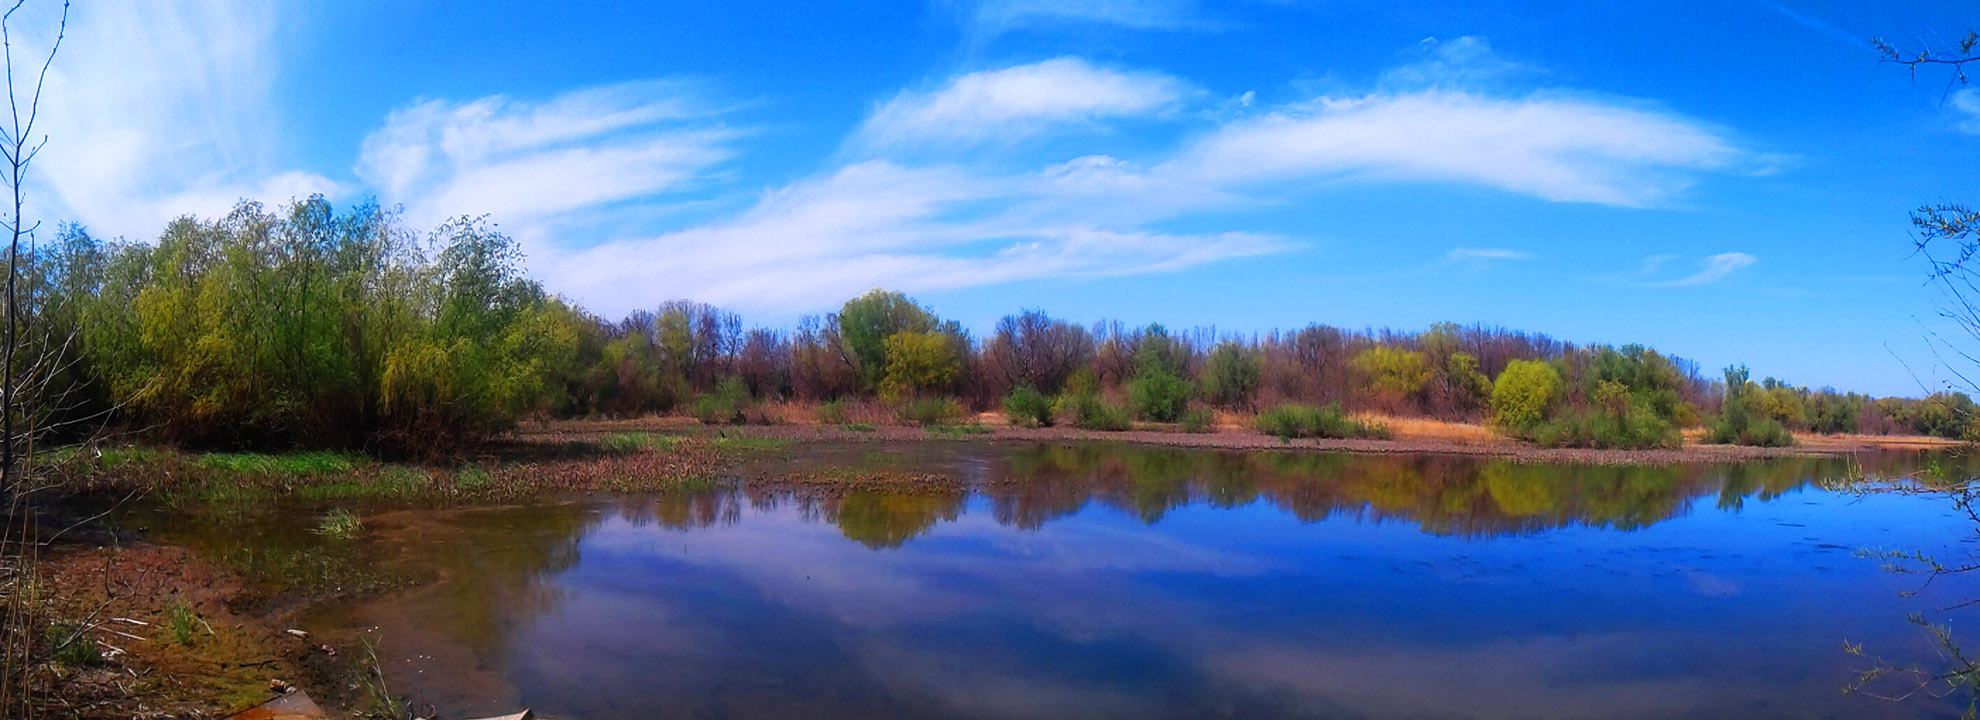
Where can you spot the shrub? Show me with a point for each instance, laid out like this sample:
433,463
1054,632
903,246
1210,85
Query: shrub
834,413
1158,396
1738,424
930,411
1522,394
730,403
1092,413
1636,428
1230,376
1199,420
1292,420
1028,408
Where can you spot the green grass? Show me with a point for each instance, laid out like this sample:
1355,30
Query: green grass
392,481
954,432
302,463
339,523
80,650
1199,420
183,624
858,427
471,477
641,442
219,493
750,444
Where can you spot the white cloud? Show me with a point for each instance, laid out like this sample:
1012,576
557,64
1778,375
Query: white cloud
1713,269
1966,106
1555,148
997,16
1476,258
1018,101
1467,61
156,109
876,224
532,162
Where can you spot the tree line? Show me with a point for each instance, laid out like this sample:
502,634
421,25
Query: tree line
306,326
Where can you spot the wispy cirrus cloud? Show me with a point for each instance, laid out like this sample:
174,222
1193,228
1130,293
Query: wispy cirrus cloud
1481,258
919,211
159,109
1965,103
1018,102
1713,269
1554,148
536,161
879,224
1653,271
996,16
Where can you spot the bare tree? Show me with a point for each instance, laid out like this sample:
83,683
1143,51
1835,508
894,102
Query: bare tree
20,382
1947,237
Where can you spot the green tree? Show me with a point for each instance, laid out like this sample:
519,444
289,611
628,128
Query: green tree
919,363
865,323
1230,375
1523,393
1392,373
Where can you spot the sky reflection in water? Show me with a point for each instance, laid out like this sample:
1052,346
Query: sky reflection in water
1124,582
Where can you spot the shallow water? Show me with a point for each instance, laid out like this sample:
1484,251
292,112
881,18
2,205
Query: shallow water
1105,581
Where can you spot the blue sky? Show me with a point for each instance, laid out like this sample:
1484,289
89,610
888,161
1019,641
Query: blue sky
1726,181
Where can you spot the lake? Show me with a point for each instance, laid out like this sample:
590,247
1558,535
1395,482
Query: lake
1097,580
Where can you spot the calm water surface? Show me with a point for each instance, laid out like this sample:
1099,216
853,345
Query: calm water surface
1102,581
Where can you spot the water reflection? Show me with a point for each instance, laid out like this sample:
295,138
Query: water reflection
1102,581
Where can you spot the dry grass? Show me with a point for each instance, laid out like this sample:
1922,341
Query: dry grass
1886,442
1443,431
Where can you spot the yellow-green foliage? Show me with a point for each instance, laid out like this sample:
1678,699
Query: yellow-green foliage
1465,378
309,326
1392,371
919,362
868,321
1523,392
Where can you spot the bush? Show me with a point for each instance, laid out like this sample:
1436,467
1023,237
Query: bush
834,413
1522,394
930,411
1738,424
1028,408
1092,413
1158,396
1293,420
1636,428
1754,431
1231,374
1199,420
730,403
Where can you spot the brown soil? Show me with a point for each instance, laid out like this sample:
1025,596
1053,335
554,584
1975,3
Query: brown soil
125,594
